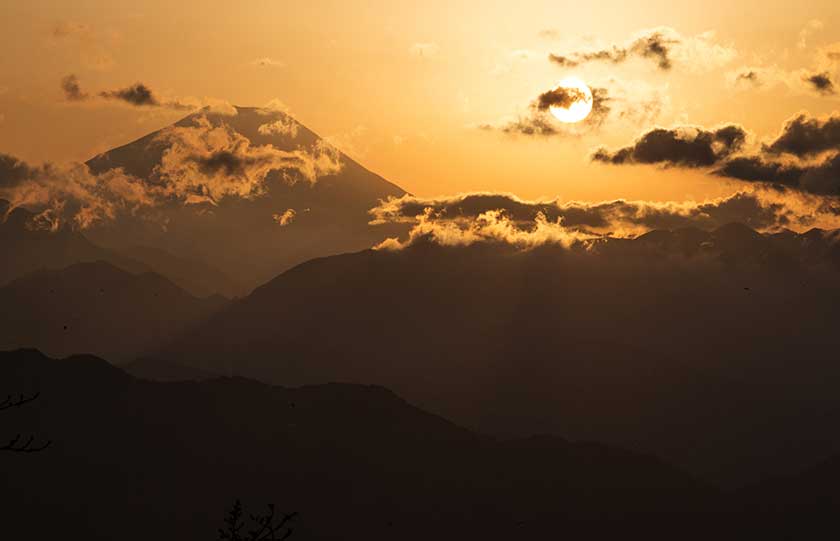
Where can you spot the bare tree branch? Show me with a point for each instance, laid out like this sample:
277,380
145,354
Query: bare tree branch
16,445
265,527
10,402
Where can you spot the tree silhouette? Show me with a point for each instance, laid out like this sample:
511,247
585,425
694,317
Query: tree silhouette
17,444
270,526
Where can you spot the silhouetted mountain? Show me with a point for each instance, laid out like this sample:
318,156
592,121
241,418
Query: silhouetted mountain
239,236
26,249
165,371
192,275
132,459
714,350
96,308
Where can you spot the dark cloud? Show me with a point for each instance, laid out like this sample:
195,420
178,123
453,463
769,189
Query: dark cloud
532,125
559,97
137,94
750,76
804,157
72,90
820,178
237,162
805,136
822,83
682,146
540,123
12,171
654,46
563,61
759,169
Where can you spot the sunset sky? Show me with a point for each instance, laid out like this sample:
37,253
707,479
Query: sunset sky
405,87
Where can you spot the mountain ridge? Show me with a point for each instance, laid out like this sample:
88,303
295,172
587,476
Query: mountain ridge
508,342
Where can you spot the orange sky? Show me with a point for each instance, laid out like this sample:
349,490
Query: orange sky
402,86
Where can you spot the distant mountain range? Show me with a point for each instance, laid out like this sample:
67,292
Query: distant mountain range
97,308
712,349
132,459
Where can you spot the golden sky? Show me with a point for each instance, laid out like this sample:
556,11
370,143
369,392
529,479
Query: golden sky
403,86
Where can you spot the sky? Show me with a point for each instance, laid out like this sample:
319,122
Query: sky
424,93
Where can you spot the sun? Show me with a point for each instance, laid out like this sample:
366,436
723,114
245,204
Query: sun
580,108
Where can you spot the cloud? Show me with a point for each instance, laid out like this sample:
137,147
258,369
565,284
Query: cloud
267,62
749,76
286,126
685,146
809,29
424,50
206,162
821,83
759,169
70,193
498,217
830,54
559,97
820,178
819,78
137,94
539,122
285,218
806,136
72,90
805,156
661,45
201,163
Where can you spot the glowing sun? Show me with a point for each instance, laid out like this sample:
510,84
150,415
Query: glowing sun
579,108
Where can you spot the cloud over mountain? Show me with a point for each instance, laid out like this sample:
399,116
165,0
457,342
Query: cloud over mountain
202,163
504,218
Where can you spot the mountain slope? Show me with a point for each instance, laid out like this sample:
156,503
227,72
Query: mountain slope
96,308
239,236
163,371
163,461
26,249
192,275
714,360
